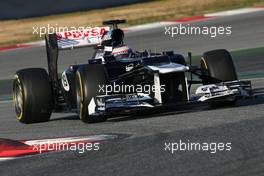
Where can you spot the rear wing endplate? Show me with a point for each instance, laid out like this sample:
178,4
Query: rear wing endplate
68,40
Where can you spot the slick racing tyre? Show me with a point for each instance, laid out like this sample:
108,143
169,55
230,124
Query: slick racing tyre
88,79
218,66
32,95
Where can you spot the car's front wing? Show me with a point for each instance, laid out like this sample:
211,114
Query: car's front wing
119,103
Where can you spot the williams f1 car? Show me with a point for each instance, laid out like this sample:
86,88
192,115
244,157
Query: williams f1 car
118,80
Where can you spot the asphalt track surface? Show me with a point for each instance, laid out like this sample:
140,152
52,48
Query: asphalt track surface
142,152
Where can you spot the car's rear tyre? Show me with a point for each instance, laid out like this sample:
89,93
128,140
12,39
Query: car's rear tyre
88,79
218,67
32,95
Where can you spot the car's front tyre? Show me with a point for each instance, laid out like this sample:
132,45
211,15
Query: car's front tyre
219,67
88,80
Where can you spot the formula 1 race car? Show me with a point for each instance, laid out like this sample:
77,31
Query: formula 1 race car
118,80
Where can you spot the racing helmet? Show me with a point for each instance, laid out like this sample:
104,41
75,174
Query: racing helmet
117,37
113,38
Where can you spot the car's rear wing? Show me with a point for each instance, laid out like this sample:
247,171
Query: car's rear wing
69,40
79,38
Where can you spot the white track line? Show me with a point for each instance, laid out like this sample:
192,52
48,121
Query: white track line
234,12
6,158
149,26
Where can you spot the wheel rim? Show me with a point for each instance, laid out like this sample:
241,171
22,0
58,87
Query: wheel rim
79,96
18,98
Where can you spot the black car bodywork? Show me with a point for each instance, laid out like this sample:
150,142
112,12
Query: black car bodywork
78,87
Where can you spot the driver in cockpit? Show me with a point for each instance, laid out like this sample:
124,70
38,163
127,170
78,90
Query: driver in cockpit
113,42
